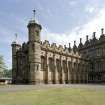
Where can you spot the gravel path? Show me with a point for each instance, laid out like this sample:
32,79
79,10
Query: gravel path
13,88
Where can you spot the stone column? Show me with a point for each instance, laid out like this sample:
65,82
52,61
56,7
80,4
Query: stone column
68,63
49,72
56,71
82,73
76,72
63,74
45,73
41,76
67,70
61,71
85,73
88,68
71,71
78,77
72,65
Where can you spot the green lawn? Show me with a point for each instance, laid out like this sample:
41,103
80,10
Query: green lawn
54,96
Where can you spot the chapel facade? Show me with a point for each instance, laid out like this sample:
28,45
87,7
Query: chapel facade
36,62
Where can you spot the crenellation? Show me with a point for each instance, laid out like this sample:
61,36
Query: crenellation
58,49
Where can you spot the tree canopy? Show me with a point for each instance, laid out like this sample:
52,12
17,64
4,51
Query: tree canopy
2,64
4,71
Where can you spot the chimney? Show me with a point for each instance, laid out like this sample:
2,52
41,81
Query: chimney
102,31
65,46
74,42
87,38
80,40
69,45
94,35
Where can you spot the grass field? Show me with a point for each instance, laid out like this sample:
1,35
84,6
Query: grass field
54,96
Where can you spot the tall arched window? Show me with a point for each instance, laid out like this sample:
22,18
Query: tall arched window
64,66
43,63
51,64
69,66
58,64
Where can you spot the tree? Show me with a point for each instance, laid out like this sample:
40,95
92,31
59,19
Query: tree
7,73
2,66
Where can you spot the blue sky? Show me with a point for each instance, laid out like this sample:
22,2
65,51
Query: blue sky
63,21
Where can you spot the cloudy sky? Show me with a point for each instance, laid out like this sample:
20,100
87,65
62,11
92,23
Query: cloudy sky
63,21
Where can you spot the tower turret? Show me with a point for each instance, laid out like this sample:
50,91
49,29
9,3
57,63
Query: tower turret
15,48
34,30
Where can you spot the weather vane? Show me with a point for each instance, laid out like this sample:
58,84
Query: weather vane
16,36
34,12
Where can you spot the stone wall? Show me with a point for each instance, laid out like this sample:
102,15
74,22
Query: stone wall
61,66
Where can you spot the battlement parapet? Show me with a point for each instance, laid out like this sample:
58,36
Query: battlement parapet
57,49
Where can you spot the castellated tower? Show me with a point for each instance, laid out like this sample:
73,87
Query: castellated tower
15,48
34,50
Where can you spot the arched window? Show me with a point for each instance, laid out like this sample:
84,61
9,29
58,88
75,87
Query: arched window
43,63
51,64
69,66
58,64
64,66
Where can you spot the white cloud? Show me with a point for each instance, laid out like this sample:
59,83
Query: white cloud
90,9
95,24
72,3
88,28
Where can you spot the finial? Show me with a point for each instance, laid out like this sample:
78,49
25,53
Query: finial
102,31
80,40
65,46
74,42
34,12
16,37
86,37
69,45
94,33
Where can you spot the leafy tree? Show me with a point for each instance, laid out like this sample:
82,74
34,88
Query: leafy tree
8,73
2,66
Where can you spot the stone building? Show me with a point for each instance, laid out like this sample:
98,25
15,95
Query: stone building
41,62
